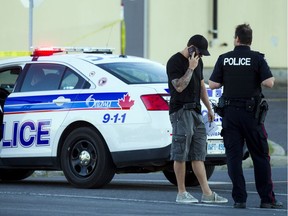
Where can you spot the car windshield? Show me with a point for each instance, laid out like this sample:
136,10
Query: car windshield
137,72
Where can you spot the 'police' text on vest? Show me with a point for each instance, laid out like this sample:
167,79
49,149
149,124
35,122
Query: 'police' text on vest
237,61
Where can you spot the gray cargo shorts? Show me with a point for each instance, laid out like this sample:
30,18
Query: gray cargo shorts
188,136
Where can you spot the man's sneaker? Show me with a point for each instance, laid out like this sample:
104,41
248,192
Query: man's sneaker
185,198
276,204
213,198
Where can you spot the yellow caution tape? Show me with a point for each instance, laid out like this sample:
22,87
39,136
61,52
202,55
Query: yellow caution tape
14,53
93,32
123,40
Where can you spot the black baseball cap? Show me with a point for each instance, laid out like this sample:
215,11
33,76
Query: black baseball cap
201,43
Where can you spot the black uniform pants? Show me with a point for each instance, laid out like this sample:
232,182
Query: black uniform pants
240,126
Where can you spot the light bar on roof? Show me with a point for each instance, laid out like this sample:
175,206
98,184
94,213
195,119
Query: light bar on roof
51,50
89,50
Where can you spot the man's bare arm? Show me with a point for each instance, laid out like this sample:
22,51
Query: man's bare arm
205,100
182,83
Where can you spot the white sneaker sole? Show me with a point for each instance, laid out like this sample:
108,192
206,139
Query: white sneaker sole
214,201
187,202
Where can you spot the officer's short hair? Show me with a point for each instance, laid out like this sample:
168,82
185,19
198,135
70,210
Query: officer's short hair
244,33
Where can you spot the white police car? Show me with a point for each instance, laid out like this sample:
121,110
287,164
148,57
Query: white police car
91,114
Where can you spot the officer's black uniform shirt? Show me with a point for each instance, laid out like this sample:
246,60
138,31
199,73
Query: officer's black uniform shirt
176,67
241,72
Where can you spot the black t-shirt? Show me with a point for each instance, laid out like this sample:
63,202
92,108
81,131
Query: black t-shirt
241,72
176,67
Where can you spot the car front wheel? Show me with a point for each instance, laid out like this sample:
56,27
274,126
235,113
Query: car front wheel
85,159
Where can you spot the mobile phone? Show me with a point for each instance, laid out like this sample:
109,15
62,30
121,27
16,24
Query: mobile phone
193,49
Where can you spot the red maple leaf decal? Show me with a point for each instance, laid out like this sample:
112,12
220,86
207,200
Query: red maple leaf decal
125,103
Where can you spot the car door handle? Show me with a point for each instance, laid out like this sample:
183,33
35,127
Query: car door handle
61,100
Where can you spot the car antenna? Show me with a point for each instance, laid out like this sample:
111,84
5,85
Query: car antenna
109,36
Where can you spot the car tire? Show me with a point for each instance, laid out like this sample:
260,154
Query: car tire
190,178
85,159
14,174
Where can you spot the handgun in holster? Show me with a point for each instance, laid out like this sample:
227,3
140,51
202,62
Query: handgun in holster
219,107
261,111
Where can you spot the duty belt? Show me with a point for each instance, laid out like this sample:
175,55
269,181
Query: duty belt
236,103
249,104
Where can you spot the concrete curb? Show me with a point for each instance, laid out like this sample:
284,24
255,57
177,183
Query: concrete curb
277,149
278,157
275,161
43,173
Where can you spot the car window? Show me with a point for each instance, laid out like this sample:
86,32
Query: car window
8,77
71,80
41,77
44,76
136,72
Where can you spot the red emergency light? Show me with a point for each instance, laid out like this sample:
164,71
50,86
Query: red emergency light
46,51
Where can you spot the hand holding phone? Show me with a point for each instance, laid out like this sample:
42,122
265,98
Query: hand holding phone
193,49
193,59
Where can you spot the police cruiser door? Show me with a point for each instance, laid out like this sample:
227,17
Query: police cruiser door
34,112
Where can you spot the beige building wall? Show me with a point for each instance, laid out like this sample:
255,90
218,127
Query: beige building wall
60,23
169,26
172,23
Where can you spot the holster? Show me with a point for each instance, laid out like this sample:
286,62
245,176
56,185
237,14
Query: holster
261,111
219,107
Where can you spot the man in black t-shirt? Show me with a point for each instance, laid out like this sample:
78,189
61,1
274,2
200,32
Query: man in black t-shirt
187,88
241,72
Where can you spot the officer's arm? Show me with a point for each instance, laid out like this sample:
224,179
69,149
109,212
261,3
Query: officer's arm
216,79
214,85
269,82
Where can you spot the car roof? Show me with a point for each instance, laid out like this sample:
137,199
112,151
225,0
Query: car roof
92,58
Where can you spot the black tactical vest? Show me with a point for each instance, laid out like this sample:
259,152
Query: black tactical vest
241,76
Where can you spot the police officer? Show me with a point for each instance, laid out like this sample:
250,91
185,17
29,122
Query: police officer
241,72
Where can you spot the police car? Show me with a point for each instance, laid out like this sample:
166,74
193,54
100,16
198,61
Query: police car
91,114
